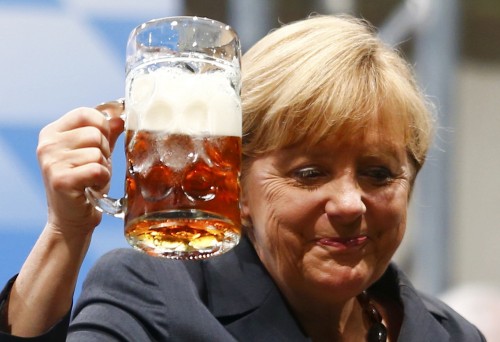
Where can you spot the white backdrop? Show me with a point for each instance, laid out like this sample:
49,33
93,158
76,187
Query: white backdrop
56,56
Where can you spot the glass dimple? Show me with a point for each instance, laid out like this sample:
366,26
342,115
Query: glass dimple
157,183
198,182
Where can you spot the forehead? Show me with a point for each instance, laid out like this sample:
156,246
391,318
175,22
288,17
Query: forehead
382,129
364,142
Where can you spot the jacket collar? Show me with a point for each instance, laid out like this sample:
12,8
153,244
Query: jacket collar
421,318
242,295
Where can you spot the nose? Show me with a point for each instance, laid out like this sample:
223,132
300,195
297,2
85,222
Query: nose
345,204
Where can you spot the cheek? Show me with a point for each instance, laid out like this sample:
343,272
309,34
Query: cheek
389,221
278,221
265,203
270,218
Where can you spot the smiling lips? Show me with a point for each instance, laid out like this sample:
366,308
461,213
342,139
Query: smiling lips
343,243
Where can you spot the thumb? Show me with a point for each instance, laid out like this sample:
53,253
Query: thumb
113,111
116,126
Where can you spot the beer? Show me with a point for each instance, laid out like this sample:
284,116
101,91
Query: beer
203,187
183,151
182,115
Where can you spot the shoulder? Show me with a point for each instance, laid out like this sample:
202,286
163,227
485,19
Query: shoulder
423,310
127,273
450,320
127,283
129,264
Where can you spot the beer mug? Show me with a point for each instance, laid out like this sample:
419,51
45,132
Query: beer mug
182,114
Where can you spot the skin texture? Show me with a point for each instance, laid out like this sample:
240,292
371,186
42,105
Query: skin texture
73,154
326,220
325,215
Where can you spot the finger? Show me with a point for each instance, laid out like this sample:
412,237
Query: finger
77,118
83,137
57,146
67,203
113,111
82,156
72,181
116,126
57,162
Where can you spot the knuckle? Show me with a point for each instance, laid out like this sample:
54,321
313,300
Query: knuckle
98,175
60,183
94,136
84,116
81,113
96,156
43,155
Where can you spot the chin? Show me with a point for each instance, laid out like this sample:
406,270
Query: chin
345,280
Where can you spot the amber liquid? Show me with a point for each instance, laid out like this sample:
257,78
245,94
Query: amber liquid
182,194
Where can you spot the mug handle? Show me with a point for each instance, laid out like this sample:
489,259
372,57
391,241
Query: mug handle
103,202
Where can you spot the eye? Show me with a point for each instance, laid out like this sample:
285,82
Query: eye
308,173
309,176
378,175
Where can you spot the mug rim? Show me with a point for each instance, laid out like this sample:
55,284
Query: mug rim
185,18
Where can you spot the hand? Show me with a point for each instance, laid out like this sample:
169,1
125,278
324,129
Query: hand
73,153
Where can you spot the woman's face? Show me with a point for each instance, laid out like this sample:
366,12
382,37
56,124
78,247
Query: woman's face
329,218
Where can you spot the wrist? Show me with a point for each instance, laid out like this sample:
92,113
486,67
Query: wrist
77,229
73,241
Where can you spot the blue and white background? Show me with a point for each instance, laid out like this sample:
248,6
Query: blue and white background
56,55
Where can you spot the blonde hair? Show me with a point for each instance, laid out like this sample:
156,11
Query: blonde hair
327,74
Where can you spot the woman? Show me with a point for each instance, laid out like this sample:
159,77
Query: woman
335,132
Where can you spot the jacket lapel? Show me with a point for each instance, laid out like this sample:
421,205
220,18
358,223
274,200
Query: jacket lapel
420,323
271,321
419,319
241,294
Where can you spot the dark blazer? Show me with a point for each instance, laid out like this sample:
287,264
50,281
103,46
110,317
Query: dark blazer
129,296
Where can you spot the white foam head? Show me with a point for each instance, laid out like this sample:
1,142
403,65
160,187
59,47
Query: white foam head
175,101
